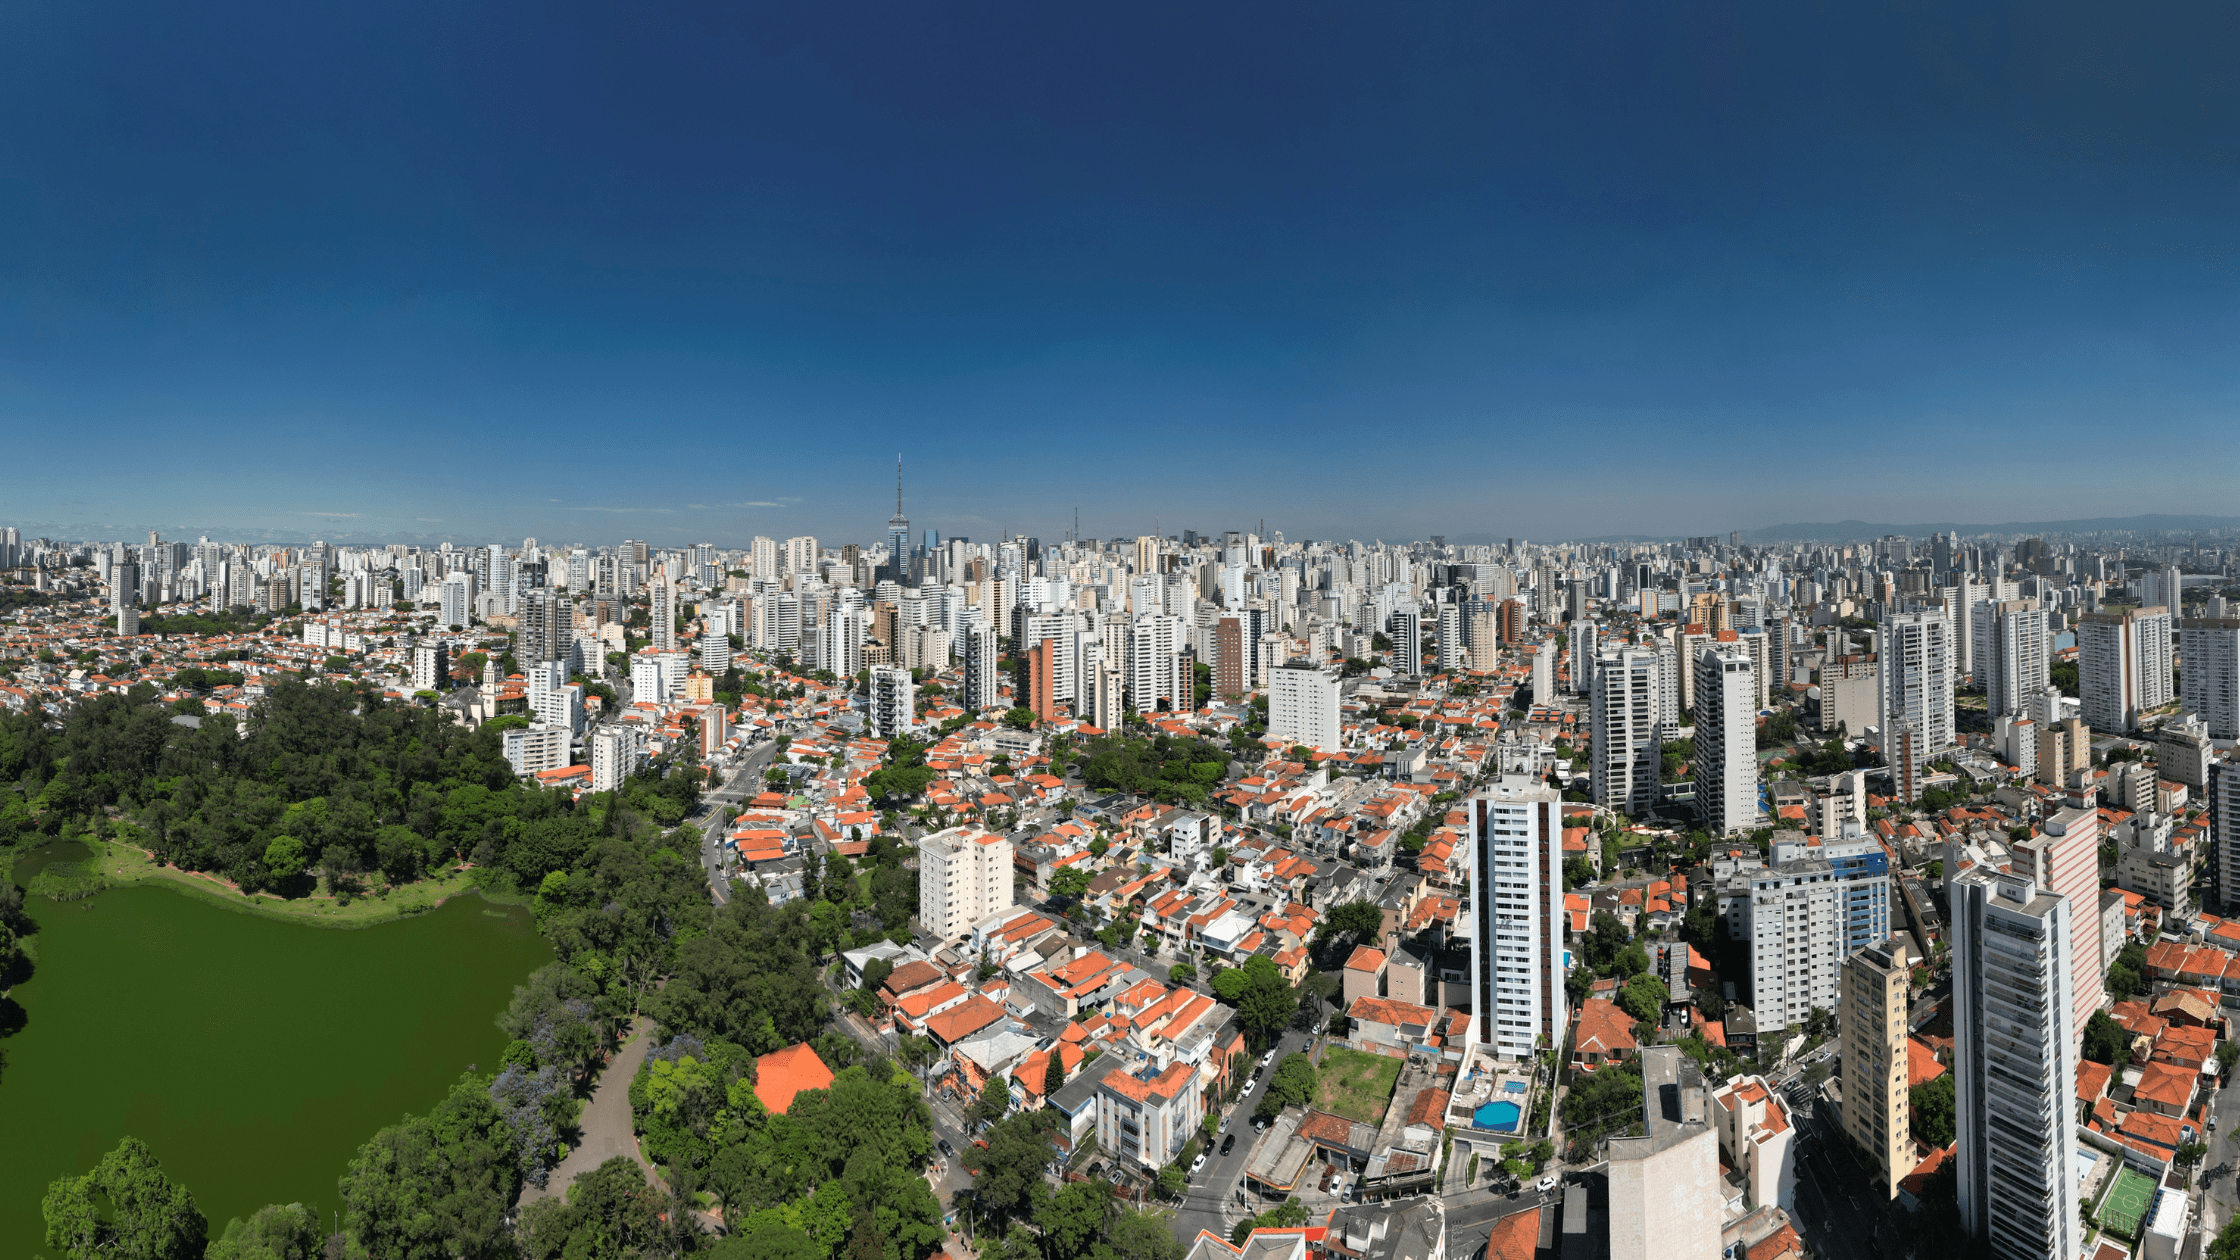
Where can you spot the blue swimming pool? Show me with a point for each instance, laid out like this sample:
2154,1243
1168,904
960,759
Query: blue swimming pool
1501,1117
1512,1087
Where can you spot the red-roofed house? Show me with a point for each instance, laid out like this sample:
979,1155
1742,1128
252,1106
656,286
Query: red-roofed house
781,1074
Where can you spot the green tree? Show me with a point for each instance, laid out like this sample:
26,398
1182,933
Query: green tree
1053,1074
1070,883
148,1217
1606,935
283,858
1933,1112
2104,1040
610,1213
1354,920
279,1231
1007,1172
435,1187
1643,997
1021,718
1631,961
1265,1001
994,1101
1293,1084
1182,973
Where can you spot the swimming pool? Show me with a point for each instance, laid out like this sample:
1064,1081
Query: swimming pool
1501,1117
1513,1087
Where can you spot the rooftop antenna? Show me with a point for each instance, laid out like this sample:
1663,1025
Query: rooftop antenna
898,483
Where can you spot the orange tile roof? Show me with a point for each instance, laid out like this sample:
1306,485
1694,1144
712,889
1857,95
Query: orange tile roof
781,1074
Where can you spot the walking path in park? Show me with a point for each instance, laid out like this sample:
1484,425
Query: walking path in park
606,1121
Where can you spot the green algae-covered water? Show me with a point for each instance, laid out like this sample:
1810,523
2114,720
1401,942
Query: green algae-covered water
252,1055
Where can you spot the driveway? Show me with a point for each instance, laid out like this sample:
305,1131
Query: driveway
605,1123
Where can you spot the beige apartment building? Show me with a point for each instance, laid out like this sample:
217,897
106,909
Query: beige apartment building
1877,1106
964,875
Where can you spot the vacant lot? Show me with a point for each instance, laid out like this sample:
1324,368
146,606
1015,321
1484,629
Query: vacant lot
1356,1085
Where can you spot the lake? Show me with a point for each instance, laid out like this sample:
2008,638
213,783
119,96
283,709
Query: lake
253,1056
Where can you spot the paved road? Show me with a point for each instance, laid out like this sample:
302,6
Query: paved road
605,1122
2221,1197
1211,1201
744,783
1841,1213
1471,1215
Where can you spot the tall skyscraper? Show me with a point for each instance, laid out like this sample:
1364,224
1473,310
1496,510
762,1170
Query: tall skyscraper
893,702
2210,686
2064,858
1406,627
1914,664
1877,1103
1451,657
981,677
1516,898
1726,713
1624,768
2123,666
663,615
431,667
2015,653
2224,828
898,534
2014,1064
1544,672
1303,706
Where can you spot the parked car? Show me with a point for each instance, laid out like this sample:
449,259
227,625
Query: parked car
1197,1163
1547,1183
1268,1058
1229,1143
947,1149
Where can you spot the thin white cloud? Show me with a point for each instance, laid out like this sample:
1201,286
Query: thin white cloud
343,515
663,511
762,503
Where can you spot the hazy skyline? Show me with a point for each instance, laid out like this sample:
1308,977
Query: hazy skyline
701,272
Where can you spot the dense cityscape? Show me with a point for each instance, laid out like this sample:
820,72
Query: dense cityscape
1201,895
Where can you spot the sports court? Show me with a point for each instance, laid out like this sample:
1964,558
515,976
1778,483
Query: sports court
2126,1201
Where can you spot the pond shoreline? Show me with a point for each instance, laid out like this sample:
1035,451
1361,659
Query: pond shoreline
124,866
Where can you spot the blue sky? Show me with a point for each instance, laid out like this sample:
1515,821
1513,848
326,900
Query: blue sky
677,271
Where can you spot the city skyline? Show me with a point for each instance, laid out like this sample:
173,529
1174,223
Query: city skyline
659,281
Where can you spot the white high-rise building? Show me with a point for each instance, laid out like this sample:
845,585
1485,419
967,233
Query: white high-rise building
964,875
2013,633
1303,706
1406,628
801,556
893,702
2123,666
1795,923
1451,657
2014,1065
616,753
765,565
431,667
663,614
1517,922
1544,672
1158,664
2210,685
981,676
1914,669
2224,827
1623,713
458,600
1726,763
715,653
534,748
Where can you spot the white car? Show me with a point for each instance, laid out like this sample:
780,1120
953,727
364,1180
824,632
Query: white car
1267,1058
1547,1183
1197,1163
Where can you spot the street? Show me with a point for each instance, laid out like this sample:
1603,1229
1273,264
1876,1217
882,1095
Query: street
744,783
1471,1215
1214,1190
1841,1216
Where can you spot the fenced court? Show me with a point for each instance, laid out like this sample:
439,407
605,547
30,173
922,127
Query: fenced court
2126,1202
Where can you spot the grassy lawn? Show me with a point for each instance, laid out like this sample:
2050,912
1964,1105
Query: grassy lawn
1355,1084
123,864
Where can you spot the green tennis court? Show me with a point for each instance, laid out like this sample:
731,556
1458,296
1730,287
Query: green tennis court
2125,1202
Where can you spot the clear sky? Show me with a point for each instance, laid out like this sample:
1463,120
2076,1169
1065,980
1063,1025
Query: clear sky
675,271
